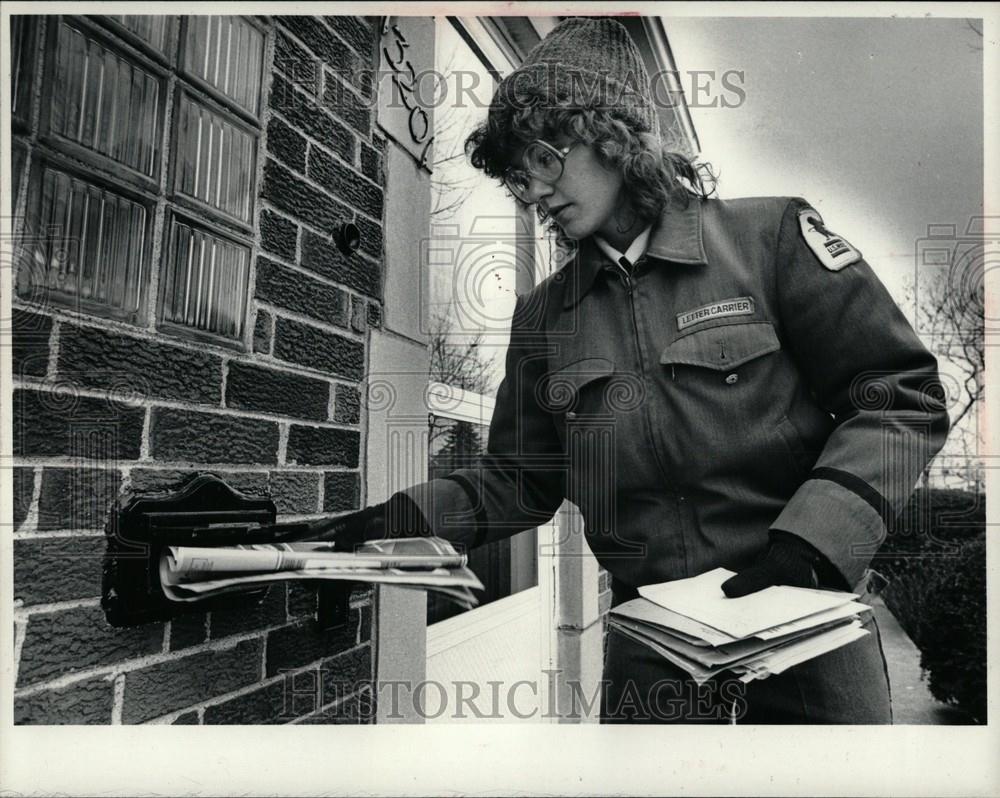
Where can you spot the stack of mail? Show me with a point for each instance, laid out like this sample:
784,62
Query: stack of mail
691,623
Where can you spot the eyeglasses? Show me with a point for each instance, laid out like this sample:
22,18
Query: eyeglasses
542,161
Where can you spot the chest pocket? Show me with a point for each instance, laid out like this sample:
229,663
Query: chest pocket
723,348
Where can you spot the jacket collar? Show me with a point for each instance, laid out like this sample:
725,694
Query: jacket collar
676,236
635,250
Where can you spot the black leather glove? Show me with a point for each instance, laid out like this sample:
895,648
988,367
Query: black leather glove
789,560
399,517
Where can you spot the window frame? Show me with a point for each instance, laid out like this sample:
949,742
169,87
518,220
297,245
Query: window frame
157,194
193,204
63,163
229,104
72,148
167,251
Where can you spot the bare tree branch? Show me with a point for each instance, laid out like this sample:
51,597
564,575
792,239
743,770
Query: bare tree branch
950,310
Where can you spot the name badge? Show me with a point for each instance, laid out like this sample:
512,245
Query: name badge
737,306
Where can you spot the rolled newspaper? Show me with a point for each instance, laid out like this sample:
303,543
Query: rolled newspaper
191,573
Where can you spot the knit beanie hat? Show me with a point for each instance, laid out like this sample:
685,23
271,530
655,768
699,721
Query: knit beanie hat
584,63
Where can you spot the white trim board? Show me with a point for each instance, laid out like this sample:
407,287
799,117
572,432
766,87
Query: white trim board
455,631
448,401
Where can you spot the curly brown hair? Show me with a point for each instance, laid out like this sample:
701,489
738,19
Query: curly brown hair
655,174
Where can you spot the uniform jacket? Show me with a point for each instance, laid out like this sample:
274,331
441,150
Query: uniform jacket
731,385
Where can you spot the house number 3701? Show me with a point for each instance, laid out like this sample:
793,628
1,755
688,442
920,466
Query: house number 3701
404,77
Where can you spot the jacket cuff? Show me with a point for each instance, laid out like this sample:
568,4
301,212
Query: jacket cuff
840,524
448,509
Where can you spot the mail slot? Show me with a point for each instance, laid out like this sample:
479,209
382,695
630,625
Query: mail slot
204,511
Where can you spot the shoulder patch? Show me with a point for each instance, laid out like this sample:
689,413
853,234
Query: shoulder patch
833,251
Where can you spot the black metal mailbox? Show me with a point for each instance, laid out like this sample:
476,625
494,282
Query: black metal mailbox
204,511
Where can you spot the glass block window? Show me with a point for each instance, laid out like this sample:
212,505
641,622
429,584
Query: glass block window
18,155
215,160
105,103
226,53
204,281
91,244
22,45
154,30
96,193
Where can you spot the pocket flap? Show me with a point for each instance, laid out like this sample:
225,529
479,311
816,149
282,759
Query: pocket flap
580,372
723,347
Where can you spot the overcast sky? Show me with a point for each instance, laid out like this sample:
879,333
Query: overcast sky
878,122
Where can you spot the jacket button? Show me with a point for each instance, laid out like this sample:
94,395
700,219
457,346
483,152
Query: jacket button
732,378
570,415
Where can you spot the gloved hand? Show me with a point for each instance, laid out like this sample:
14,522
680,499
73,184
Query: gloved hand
399,517
789,560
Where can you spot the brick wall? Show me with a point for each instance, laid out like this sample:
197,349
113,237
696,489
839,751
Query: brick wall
104,408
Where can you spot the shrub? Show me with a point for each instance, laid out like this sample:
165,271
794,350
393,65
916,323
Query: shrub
953,633
935,560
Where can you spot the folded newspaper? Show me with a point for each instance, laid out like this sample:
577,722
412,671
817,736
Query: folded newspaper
691,623
191,573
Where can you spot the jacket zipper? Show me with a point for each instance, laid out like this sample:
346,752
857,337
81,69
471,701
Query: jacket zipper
635,332
635,328
678,499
